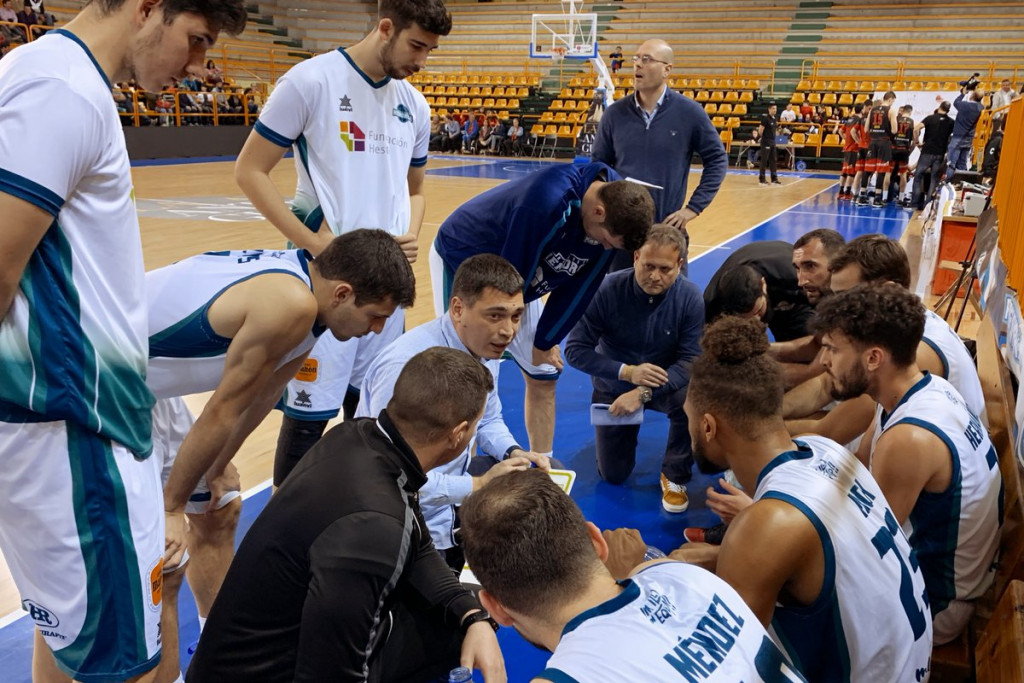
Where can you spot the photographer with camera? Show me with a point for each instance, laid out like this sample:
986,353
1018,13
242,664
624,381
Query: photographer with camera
968,111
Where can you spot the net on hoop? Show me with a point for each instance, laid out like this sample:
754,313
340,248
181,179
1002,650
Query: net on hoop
557,53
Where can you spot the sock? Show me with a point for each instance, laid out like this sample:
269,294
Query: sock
202,623
885,196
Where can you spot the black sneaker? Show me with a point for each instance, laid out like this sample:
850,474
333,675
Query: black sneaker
763,182
862,201
776,182
712,535
877,204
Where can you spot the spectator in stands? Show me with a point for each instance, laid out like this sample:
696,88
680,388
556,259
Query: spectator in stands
28,17
993,150
453,135
436,134
512,145
121,102
236,106
191,82
250,100
7,13
806,111
1001,97
492,119
483,138
616,57
968,111
470,132
788,115
651,136
754,152
213,74
188,105
498,132
11,34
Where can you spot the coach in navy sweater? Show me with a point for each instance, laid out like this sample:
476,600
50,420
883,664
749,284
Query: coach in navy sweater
637,340
651,136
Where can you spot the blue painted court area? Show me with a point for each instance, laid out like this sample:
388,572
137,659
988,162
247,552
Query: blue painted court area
637,503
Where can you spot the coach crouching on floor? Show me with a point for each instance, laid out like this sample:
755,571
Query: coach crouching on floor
338,580
636,341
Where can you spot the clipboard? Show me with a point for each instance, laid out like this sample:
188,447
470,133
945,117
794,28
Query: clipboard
600,417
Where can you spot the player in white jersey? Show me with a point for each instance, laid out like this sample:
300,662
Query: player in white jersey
360,134
80,521
240,323
876,258
818,554
930,454
541,567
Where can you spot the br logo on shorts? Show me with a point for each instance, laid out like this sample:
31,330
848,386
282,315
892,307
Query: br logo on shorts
43,617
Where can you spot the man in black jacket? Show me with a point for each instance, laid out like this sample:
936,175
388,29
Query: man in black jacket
338,580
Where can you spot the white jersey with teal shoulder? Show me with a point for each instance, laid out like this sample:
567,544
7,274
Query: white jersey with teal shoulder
186,355
671,622
871,621
354,141
73,345
956,532
960,370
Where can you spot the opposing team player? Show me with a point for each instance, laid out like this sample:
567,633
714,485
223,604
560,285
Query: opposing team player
853,131
240,323
541,567
360,134
558,227
819,554
930,454
80,518
902,146
881,125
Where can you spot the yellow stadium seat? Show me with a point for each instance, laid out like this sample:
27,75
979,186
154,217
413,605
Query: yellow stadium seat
797,98
513,104
579,93
565,94
746,96
489,103
501,103
561,117
556,105
688,93
849,86
861,97
733,122
564,131
717,96
834,85
547,116
740,110
814,98
703,96
832,140
818,85
474,91
799,138
915,85
718,121
486,92
463,91
829,98
726,136
732,96
476,102
932,86
537,129
725,108
551,129
845,98
866,86
575,81
711,108
813,139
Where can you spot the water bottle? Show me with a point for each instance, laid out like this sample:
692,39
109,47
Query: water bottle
653,554
460,674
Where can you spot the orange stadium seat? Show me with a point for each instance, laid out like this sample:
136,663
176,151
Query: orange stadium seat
725,108
740,110
711,108
718,121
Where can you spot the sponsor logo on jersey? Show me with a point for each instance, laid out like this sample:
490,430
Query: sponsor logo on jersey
43,617
565,263
156,585
402,113
353,136
303,400
309,371
345,104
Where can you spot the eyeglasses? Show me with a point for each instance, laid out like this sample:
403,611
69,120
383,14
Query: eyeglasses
647,59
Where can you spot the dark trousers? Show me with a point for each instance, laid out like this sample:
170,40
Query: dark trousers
419,648
926,177
624,259
616,445
769,160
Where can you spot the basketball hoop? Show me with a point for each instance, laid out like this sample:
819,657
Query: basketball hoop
557,53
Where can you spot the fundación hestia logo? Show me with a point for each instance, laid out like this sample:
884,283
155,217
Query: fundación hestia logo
353,136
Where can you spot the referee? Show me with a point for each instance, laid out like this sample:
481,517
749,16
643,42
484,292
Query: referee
338,580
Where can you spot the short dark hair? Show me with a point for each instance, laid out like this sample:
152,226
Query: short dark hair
373,263
734,377
907,108
890,95
663,235
629,211
479,272
737,291
875,314
880,259
831,241
222,15
438,389
858,108
944,107
430,15
527,542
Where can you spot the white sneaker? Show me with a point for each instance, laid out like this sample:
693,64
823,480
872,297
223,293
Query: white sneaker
673,496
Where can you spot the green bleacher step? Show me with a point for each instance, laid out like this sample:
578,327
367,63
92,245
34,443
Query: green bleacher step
274,30
814,38
807,27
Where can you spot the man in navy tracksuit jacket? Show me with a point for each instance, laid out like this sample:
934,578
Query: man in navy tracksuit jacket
558,227
637,340
652,135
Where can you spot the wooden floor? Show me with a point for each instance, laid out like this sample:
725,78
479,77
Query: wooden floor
741,204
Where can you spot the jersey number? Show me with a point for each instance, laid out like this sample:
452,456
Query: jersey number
884,541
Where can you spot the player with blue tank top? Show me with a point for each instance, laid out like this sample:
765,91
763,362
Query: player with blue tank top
930,453
541,567
818,555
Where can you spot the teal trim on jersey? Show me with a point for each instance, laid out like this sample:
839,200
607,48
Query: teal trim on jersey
630,592
194,337
418,162
311,219
802,452
556,676
938,352
271,135
69,380
935,519
68,34
828,584
921,384
115,602
305,415
373,84
31,192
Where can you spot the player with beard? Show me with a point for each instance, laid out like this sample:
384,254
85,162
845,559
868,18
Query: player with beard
930,454
360,133
818,555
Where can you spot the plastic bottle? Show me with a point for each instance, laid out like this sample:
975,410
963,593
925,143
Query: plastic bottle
460,674
653,554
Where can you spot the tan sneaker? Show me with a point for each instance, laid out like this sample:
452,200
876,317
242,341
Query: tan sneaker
673,496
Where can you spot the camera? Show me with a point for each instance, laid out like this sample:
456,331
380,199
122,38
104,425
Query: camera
971,83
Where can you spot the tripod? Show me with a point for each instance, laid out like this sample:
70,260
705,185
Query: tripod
968,276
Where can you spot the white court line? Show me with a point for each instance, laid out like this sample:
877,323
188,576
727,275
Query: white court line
12,617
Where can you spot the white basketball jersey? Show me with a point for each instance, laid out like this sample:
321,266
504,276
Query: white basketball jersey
961,371
354,141
672,622
956,532
73,345
186,355
871,620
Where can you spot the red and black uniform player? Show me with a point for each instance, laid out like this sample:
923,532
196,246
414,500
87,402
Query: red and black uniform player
853,131
902,145
881,126
860,182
